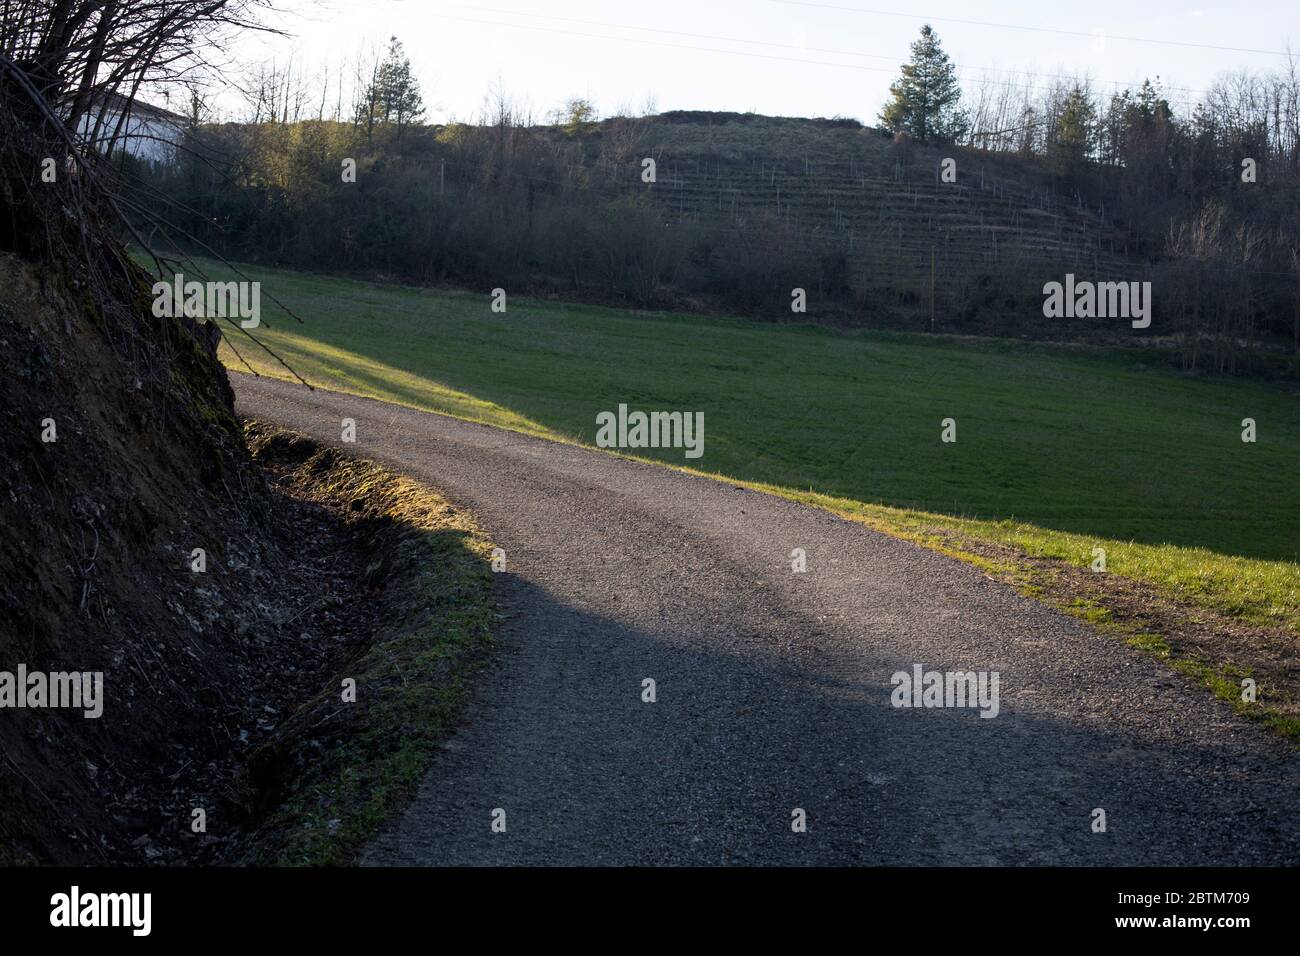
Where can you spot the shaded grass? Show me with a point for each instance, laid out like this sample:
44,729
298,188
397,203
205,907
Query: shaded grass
429,569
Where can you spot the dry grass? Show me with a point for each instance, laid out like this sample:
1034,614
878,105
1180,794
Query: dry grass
357,765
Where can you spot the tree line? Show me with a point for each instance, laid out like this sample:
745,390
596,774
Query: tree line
502,199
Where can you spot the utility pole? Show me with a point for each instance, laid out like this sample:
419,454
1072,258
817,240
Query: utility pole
932,288
442,177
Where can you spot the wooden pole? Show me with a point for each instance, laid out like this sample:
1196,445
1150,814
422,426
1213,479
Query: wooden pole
932,288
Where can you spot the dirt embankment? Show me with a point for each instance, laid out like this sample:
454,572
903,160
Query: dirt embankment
120,460
343,762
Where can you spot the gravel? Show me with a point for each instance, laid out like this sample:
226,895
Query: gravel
773,688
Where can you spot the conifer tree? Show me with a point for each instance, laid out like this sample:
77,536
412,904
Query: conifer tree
1075,135
925,98
393,97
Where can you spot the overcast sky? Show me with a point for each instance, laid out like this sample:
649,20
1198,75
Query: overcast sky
770,56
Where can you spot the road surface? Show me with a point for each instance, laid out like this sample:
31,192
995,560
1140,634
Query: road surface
773,688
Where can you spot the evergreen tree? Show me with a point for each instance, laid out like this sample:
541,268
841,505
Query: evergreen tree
925,98
1074,137
393,97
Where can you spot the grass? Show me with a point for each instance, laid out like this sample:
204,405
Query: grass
360,764
1060,450
1258,592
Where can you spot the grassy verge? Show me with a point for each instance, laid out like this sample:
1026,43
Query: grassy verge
346,768
1216,624
1265,593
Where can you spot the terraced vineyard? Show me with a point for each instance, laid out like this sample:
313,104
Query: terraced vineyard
851,191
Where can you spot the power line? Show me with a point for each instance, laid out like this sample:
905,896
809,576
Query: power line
677,46
680,33
1016,26
789,46
762,56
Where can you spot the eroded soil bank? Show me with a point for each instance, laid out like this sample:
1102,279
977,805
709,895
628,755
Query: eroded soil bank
220,586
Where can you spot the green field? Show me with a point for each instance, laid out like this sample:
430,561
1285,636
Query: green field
1059,449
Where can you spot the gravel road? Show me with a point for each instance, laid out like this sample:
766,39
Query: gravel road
773,688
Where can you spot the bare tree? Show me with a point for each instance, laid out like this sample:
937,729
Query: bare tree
70,71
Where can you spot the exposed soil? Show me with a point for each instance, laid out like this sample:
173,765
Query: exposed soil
96,574
352,754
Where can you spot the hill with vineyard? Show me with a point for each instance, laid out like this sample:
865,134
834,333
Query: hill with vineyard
731,213
995,226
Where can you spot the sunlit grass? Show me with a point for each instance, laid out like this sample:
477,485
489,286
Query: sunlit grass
1060,450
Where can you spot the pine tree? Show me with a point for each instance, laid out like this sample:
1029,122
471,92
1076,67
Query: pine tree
1074,137
393,97
925,98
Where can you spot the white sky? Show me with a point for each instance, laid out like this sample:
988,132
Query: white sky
628,51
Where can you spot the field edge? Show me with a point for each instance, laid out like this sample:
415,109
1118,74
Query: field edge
1240,591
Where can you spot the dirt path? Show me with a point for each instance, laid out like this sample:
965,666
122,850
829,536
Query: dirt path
773,688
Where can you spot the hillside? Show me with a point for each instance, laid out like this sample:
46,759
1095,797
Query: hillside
142,462
743,210
165,610
144,544
853,192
